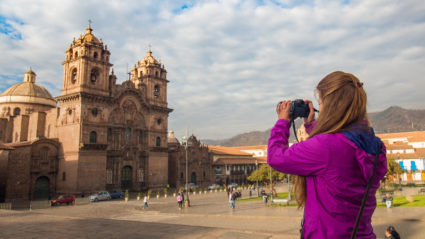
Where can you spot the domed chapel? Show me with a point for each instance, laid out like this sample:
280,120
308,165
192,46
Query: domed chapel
97,135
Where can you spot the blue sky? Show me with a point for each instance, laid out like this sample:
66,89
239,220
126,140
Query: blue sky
229,61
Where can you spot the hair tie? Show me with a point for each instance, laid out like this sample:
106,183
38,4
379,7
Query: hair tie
359,84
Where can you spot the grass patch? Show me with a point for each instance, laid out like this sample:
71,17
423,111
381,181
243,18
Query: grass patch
401,201
260,198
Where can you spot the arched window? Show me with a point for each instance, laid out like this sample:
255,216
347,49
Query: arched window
74,76
93,75
181,175
93,137
156,73
17,111
158,141
156,90
95,55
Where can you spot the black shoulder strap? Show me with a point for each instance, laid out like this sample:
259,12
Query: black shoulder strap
359,216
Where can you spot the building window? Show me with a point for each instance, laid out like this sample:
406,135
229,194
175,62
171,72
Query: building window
95,55
158,141
181,175
63,176
94,112
93,75
204,175
17,111
156,73
156,90
128,134
74,76
159,121
93,137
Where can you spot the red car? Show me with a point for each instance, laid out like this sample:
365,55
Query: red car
62,199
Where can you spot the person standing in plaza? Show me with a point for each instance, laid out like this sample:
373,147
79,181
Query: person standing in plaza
336,163
232,199
180,200
145,201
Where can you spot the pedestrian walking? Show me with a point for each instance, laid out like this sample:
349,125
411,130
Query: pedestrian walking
340,161
180,200
145,201
232,199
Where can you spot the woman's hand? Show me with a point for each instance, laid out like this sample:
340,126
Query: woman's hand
283,110
311,115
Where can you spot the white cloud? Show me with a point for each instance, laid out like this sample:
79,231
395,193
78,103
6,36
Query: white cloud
230,62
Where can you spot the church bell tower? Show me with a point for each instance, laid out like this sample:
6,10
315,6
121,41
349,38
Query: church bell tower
86,67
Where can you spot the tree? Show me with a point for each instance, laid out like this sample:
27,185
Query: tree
393,168
263,175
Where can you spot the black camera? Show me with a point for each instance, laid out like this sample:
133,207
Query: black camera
298,108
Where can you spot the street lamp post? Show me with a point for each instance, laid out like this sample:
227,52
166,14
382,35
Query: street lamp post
258,190
186,140
271,184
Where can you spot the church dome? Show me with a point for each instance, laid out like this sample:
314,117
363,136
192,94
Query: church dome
149,59
28,92
171,138
89,37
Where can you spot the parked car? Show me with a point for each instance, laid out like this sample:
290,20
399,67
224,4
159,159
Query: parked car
62,199
100,196
213,186
233,185
116,194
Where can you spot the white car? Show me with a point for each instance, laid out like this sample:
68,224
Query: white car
100,196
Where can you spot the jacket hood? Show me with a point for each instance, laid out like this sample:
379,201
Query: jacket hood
367,146
365,140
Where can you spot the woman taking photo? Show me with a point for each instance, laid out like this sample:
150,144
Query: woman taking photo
335,163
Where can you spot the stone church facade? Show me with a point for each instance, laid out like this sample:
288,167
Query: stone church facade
96,135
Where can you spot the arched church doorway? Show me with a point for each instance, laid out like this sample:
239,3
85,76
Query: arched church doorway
193,178
126,177
42,188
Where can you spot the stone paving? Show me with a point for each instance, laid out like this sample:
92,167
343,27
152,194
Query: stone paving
208,217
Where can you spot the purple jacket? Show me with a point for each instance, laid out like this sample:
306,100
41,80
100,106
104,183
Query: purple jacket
337,173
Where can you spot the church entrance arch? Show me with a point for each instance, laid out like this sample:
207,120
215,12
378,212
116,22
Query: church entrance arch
42,188
193,178
126,177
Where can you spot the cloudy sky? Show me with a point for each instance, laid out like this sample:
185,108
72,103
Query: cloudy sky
229,62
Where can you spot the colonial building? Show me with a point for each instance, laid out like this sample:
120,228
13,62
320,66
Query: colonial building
408,150
199,165
96,135
232,165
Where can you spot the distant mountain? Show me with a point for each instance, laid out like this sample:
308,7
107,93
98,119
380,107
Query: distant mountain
396,119
392,120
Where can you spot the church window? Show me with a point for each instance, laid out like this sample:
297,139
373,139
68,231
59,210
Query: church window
140,73
156,73
128,134
181,175
17,111
93,137
204,174
93,75
76,55
158,141
74,76
63,176
109,132
70,112
156,90
94,112
159,121
95,55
